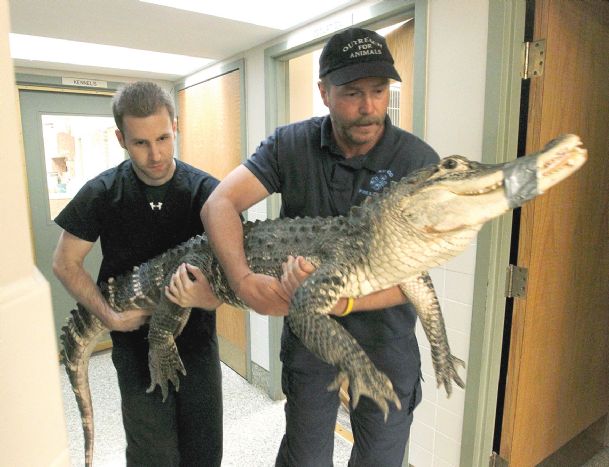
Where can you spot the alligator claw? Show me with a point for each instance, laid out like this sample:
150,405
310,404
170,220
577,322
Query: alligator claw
446,373
338,381
368,382
164,363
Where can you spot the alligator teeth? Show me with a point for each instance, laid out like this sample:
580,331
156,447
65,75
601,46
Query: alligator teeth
561,160
482,190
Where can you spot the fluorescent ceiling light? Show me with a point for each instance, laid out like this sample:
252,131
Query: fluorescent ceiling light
46,49
276,14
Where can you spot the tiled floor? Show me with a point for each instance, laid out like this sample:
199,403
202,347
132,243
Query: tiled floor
253,423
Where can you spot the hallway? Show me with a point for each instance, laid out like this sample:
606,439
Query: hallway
253,423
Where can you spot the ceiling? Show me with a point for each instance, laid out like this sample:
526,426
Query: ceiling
137,25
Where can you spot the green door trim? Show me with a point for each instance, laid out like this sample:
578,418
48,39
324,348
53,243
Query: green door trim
500,139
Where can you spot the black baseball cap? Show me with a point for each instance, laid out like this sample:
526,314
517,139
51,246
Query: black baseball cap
354,54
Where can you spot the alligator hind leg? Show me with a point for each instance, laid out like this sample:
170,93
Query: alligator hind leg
164,361
332,343
340,349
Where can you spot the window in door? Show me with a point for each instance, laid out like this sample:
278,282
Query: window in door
76,148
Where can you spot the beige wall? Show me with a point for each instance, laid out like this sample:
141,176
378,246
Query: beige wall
32,428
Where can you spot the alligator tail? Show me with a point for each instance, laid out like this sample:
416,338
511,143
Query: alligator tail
79,337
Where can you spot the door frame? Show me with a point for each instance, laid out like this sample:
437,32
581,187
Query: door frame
500,143
54,84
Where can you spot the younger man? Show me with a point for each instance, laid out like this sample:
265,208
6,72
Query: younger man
138,209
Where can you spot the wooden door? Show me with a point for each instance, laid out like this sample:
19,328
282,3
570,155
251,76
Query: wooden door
558,369
210,138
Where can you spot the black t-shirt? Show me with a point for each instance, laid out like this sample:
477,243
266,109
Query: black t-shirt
303,163
125,215
115,208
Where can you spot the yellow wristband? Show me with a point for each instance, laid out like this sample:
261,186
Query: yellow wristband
348,308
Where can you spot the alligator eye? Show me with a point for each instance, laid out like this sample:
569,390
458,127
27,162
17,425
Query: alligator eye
449,164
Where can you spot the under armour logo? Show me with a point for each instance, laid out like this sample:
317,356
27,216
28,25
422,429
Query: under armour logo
154,206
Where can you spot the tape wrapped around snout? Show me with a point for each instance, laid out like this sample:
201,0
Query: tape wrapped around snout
520,180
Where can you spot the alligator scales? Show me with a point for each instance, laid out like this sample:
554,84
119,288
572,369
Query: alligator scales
392,239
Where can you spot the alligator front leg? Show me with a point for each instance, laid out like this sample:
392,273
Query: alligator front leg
164,361
420,291
332,343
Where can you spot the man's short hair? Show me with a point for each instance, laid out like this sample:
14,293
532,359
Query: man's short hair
141,99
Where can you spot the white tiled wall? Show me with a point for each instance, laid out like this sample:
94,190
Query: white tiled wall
435,438
457,44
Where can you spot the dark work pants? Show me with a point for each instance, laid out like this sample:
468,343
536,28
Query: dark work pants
311,409
186,429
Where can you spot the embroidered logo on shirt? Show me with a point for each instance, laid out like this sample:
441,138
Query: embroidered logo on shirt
155,206
378,182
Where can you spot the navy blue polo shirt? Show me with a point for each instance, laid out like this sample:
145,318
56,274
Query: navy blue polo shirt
303,163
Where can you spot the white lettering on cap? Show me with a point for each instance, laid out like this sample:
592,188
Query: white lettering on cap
361,43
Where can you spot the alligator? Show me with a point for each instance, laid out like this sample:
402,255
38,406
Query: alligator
393,238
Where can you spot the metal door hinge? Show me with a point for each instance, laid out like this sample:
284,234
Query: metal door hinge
497,461
516,282
533,58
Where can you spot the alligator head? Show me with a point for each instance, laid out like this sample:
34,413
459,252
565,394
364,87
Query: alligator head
459,194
